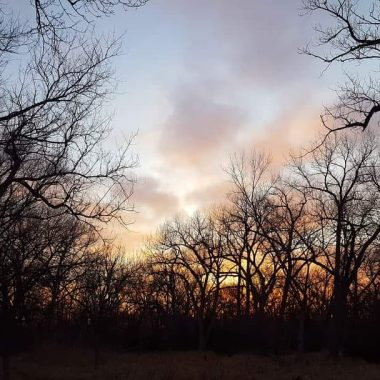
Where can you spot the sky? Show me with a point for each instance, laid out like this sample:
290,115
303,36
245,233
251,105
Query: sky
201,80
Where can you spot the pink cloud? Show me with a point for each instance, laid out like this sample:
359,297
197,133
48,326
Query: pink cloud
296,127
150,197
210,195
199,127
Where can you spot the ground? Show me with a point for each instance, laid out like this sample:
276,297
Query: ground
50,362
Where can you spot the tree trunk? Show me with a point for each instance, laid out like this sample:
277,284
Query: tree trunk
6,331
285,294
202,344
248,291
338,320
238,290
301,333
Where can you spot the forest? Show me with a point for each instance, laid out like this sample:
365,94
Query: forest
289,262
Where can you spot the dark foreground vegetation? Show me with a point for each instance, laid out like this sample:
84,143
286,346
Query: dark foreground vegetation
58,363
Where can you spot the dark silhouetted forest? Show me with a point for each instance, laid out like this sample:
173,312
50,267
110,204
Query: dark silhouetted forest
289,262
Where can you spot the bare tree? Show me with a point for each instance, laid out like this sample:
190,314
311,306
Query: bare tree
352,35
345,199
40,255
56,76
101,292
256,262
52,133
195,248
284,230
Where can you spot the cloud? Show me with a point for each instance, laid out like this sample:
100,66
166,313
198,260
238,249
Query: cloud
199,127
297,127
253,42
264,37
241,70
152,201
211,195
152,205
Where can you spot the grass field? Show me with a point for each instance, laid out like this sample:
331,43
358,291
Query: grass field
50,362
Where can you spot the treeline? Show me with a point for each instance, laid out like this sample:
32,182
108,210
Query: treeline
289,261
296,255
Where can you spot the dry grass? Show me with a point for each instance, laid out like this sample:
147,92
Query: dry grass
50,362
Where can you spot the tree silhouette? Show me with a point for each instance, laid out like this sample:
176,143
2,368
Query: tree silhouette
352,36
